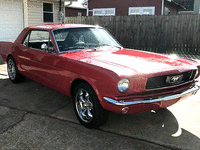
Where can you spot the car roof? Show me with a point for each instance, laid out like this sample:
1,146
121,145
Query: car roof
59,26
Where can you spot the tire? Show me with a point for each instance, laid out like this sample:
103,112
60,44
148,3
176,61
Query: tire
13,71
87,107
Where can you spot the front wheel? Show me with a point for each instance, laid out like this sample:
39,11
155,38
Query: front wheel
13,71
87,107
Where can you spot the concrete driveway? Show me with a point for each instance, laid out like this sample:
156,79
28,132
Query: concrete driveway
34,116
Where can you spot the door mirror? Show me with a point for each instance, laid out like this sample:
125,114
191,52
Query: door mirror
44,47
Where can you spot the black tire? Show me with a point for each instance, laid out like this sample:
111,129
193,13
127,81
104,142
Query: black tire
13,71
93,115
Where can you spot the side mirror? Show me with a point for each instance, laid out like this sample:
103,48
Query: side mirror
44,47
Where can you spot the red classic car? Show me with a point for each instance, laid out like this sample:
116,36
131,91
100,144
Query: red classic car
87,63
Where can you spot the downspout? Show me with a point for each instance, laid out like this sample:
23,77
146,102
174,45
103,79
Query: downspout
87,11
60,11
162,11
83,3
60,5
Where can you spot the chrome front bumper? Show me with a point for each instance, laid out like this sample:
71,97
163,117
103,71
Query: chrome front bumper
148,101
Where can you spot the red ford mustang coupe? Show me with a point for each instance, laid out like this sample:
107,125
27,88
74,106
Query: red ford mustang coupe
87,63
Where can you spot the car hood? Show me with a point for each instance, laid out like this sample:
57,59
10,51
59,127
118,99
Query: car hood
126,61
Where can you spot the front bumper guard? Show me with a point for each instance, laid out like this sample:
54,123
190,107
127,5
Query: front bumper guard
191,91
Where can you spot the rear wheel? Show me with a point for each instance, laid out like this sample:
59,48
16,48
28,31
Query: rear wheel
13,71
87,107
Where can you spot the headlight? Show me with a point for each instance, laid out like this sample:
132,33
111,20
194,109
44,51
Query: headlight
123,85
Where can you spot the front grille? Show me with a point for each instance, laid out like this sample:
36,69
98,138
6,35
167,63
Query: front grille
163,81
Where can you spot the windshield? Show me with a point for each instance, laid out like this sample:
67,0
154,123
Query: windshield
83,38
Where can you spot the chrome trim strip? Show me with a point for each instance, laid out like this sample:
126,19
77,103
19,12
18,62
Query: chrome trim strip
55,41
165,98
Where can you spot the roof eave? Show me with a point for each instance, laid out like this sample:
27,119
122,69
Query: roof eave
176,4
84,2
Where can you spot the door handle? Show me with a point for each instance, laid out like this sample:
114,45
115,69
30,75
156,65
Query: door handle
24,50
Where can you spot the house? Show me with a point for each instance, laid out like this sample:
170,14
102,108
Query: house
17,14
131,7
189,6
74,9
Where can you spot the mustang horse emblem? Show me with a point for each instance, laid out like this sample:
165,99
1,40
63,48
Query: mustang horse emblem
174,79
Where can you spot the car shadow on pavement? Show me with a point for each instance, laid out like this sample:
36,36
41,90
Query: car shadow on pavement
159,126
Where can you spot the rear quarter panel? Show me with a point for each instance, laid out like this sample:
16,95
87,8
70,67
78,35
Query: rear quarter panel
6,49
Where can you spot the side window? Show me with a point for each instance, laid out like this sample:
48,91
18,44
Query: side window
39,40
39,36
25,43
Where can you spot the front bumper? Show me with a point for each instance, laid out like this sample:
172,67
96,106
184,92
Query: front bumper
155,100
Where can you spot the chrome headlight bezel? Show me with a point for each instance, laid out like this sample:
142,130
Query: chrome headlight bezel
196,74
123,85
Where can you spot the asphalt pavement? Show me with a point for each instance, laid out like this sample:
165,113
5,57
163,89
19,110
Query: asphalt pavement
33,116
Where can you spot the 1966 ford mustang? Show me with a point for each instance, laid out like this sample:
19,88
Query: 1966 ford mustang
87,63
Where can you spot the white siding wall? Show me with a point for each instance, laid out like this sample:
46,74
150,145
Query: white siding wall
17,14
35,11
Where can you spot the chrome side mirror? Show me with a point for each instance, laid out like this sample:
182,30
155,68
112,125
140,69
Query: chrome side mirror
44,47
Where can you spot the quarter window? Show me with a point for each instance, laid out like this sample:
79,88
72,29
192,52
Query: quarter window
25,42
141,10
47,12
104,12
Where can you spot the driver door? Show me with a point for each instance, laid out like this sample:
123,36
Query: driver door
38,57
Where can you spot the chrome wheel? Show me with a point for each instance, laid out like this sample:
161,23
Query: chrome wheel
11,69
84,106
87,107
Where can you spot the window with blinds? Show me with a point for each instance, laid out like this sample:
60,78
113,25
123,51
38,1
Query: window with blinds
104,12
141,10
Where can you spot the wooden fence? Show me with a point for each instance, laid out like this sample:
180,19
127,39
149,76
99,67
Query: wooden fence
175,33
